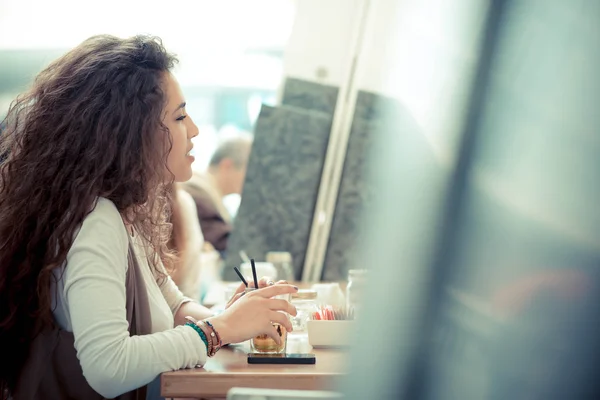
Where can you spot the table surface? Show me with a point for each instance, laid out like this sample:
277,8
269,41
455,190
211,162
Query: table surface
229,368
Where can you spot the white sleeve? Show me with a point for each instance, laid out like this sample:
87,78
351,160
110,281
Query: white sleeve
171,293
94,288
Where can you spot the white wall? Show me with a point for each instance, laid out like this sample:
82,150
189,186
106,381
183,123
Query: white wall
187,25
422,52
320,44
412,50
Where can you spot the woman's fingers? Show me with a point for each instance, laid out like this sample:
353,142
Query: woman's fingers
240,289
281,319
275,290
270,290
262,282
235,298
282,305
236,295
272,332
265,281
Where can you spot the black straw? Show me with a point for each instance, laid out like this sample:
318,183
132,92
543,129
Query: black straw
237,271
254,273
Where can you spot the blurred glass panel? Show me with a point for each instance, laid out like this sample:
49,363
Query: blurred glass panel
504,304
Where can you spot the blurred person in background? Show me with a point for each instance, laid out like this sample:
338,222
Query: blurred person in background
224,176
88,311
187,243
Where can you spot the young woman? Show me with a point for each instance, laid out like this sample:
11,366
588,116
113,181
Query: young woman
90,151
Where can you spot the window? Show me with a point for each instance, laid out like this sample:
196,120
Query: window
230,51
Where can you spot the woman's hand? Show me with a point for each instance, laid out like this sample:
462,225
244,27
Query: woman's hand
254,314
263,282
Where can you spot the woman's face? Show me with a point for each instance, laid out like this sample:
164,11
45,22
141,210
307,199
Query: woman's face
181,128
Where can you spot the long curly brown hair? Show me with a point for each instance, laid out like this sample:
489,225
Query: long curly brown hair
90,126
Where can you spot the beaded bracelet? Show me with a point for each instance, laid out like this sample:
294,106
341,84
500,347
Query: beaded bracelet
213,338
214,331
201,333
211,335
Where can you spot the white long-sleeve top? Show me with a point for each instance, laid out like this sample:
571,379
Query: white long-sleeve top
90,301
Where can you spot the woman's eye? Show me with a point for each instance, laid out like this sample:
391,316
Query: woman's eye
182,118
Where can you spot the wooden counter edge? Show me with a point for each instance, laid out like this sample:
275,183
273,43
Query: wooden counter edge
218,384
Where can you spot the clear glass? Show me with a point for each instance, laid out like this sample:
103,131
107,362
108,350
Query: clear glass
266,344
304,308
357,279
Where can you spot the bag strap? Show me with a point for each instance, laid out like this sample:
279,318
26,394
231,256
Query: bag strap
138,306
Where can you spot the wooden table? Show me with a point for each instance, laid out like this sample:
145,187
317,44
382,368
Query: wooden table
229,368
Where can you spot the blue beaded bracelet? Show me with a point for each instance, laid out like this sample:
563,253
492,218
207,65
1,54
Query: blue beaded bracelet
200,332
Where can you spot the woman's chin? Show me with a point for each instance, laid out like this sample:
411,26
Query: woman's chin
184,176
